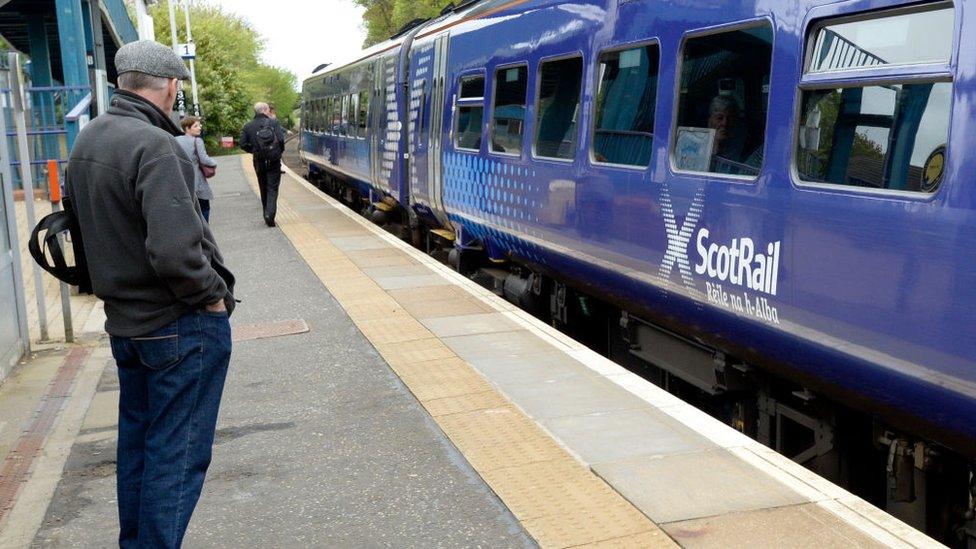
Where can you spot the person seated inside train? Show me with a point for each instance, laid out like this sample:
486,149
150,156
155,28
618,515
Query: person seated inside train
729,153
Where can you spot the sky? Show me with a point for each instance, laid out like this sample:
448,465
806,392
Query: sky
301,34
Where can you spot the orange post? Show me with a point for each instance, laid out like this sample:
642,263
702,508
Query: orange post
54,185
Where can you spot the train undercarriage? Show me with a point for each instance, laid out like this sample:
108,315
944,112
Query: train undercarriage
922,483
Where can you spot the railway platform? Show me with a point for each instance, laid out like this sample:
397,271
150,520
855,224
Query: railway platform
378,399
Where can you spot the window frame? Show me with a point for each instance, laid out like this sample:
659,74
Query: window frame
872,15
494,96
591,154
914,73
533,153
676,109
468,102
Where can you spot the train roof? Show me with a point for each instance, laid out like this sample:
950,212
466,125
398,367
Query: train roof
449,17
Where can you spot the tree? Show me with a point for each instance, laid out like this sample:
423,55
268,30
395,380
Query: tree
276,86
383,18
230,74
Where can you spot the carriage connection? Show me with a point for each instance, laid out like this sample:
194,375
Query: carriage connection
766,210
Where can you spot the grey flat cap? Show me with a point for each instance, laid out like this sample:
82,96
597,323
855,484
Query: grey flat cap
150,57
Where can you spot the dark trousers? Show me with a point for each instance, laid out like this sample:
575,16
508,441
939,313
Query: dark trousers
205,208
171,382
269,179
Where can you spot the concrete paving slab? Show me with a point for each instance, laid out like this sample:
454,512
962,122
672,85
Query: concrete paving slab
528,369
578,395
794,527
399,270
459,325
358,243
439,292
500,345
410,281
682,487
614,436
444,307
382,257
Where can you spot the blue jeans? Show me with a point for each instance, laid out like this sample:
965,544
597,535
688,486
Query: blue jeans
205,209
171,382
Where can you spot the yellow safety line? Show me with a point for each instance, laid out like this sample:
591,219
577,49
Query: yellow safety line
559,501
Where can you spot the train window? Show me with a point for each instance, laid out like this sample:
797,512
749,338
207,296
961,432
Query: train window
328,115
334,116
721,122
320,115
308,115
923,35
889,135
470,113
881,137
625,102
315,114
354,115
557,108
508,113
363,112
344,116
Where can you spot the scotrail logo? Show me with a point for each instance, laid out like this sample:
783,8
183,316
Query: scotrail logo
739,263
733,269
678,239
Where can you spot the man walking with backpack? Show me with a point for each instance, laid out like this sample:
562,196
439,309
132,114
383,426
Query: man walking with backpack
264,138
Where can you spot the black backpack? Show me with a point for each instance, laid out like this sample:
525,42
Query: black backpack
46,237
267,143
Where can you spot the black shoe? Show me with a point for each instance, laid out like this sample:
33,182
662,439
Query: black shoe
270,223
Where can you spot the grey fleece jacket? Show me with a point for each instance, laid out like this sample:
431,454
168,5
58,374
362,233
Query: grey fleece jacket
150,255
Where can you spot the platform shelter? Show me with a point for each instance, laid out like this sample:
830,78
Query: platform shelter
68,49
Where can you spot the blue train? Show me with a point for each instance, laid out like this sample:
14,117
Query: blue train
769,205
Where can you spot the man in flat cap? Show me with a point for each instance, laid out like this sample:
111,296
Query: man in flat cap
167,294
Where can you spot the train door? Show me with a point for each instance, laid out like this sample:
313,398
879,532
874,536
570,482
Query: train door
435,179
376,125
427,91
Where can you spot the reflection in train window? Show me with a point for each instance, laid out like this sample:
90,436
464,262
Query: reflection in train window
470,113
881,137
363,112
321,118
354,115
327,116
344,116
508,115
625,102
922,36
723,100
557,109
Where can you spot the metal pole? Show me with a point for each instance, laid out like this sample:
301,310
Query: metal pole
143,22
172,33
26,181
54,190
193,69
172,22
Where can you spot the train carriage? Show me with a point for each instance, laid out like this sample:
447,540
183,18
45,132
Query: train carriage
769,206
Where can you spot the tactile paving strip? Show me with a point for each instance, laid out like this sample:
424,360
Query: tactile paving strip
560,502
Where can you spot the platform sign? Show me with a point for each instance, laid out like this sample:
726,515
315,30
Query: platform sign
186,51
181,101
